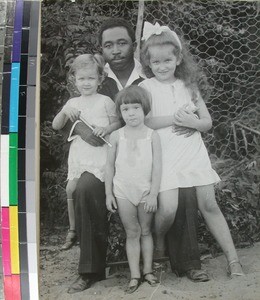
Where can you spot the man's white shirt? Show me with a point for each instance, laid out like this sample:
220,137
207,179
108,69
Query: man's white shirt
136,74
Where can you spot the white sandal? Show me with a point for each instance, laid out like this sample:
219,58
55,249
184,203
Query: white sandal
234,274
71,239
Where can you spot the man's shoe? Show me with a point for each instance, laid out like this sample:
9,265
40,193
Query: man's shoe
80,284
198,275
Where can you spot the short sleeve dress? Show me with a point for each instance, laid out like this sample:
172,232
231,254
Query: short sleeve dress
185,160
82,156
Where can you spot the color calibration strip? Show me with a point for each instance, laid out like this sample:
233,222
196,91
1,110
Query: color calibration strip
19,35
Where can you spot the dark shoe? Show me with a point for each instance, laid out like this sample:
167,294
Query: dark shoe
80,284
197,275
151,279
133,288
71,239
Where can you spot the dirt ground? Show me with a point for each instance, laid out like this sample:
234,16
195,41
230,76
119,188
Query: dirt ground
58,269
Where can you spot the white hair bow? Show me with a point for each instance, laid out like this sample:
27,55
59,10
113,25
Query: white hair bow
150,29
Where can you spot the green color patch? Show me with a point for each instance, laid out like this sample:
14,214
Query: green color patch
13,169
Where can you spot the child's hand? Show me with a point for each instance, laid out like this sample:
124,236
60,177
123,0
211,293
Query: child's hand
179,130
185,118
150,205
111,203
189,108
100,131
72,113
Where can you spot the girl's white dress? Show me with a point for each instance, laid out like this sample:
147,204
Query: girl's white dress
133,167
82,156
185,160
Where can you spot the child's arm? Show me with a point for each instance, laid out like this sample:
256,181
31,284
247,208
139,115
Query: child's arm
158,122
114,124
110,172
62,117
187,119
155,122
151,199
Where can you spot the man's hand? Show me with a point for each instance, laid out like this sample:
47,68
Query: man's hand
111,203
179,130
87,135
150,205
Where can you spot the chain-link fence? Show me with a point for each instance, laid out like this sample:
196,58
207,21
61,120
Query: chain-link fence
224,38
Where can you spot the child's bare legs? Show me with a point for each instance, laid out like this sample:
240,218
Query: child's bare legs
145,221
217,224
129,216
71,236
164,218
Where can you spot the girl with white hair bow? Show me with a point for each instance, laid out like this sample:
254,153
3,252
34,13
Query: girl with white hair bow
176,100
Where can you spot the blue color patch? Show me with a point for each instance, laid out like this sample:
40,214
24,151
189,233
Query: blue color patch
14,97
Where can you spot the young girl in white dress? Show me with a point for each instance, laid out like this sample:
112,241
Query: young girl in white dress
133,175
176,100
99,111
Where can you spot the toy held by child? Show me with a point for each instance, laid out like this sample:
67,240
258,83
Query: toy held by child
98,111
133,174
175,98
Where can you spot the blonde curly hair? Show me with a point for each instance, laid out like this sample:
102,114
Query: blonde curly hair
84,61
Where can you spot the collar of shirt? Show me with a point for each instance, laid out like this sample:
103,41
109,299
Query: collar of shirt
136,74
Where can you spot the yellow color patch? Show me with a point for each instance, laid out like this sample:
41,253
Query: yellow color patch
14,240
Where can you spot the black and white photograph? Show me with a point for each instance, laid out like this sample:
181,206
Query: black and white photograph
150,150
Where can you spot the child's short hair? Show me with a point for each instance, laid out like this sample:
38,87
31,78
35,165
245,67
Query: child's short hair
85,61
133,94
116,22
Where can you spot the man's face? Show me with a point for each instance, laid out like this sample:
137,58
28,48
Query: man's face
118,48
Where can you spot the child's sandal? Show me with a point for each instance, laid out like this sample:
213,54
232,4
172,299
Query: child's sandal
151,279
133,288
70,240
234,274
